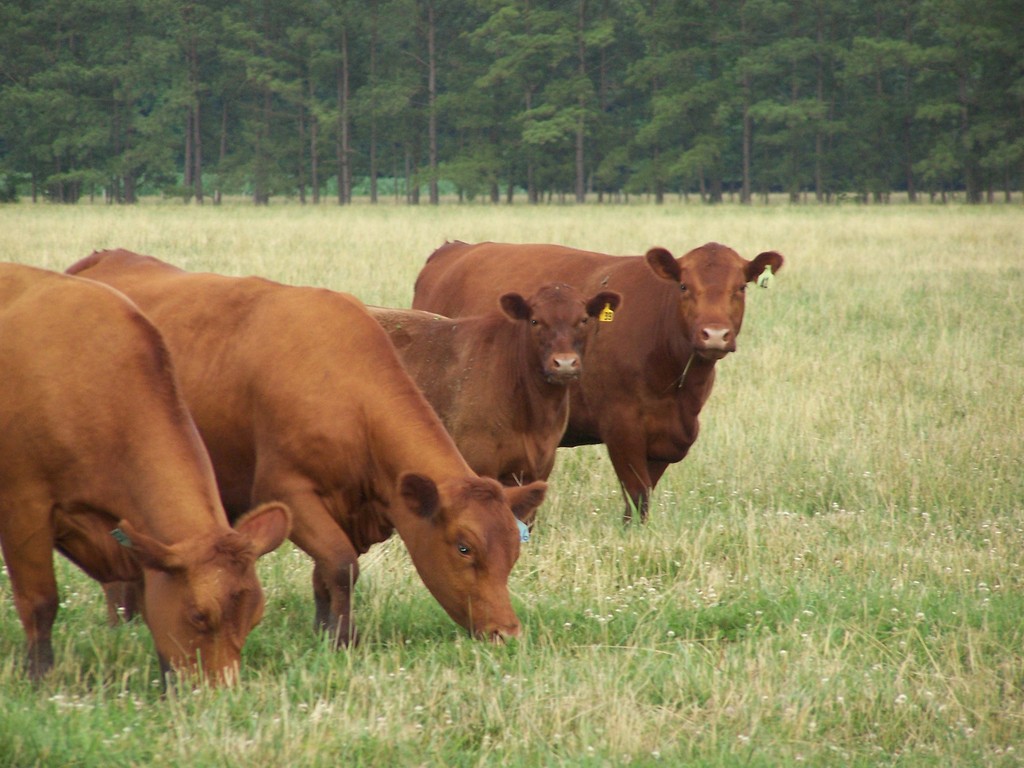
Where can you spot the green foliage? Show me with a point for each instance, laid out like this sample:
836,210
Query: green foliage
112,98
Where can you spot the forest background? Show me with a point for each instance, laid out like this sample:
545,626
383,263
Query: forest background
497,99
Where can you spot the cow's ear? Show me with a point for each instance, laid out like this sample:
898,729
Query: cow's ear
605,299
148,551
524,499
420,495
771,259
515,306
664,264
266,527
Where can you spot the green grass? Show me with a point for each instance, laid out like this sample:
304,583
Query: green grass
832,577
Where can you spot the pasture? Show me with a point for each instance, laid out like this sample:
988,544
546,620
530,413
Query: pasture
833,576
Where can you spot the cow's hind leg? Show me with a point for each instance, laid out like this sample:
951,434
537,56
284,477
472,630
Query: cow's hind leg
34,586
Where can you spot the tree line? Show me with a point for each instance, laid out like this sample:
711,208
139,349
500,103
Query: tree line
570,99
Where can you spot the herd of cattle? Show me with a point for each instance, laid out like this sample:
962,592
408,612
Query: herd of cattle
164,429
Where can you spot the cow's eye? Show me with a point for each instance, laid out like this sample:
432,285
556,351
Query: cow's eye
533,321
464,550
682,287
743,288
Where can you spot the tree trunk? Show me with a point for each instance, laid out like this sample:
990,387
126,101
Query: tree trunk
197,133
187,181
908,120
301,158
218,194
343,149
819,183
748,136
659,183
532,194
581,191
314,164
373,106
794,155
435,196
260,190
748,127
972,186
197,155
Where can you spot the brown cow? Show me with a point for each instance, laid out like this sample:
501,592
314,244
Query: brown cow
299,396
651,369
499,381
94,441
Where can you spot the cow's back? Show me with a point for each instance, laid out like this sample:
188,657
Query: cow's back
476,379
254,358
429,347
461,279
76,357
206,323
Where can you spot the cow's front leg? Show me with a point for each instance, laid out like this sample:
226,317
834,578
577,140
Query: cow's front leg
333,585
335,563
629,458
124,600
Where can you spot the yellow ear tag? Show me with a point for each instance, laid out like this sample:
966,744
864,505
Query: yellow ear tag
766,277
607,314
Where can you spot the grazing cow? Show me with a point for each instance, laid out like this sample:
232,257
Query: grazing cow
97,451
499,381
299,396
650,371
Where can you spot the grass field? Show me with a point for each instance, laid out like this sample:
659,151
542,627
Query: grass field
832,577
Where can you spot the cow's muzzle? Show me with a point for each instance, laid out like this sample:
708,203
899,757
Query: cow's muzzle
499,635
562,369
715,341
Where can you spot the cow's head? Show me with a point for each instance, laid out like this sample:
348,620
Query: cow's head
465,544
558,316
201,596
712,282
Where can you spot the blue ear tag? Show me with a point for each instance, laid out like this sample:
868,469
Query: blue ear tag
766,277
121,538
524,530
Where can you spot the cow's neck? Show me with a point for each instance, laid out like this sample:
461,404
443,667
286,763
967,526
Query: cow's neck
682,373
681,382
415,441
536,403
169,504
510,357
156,498
691,392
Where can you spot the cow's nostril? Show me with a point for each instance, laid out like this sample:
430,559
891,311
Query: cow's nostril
500,636
566,363
716,338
